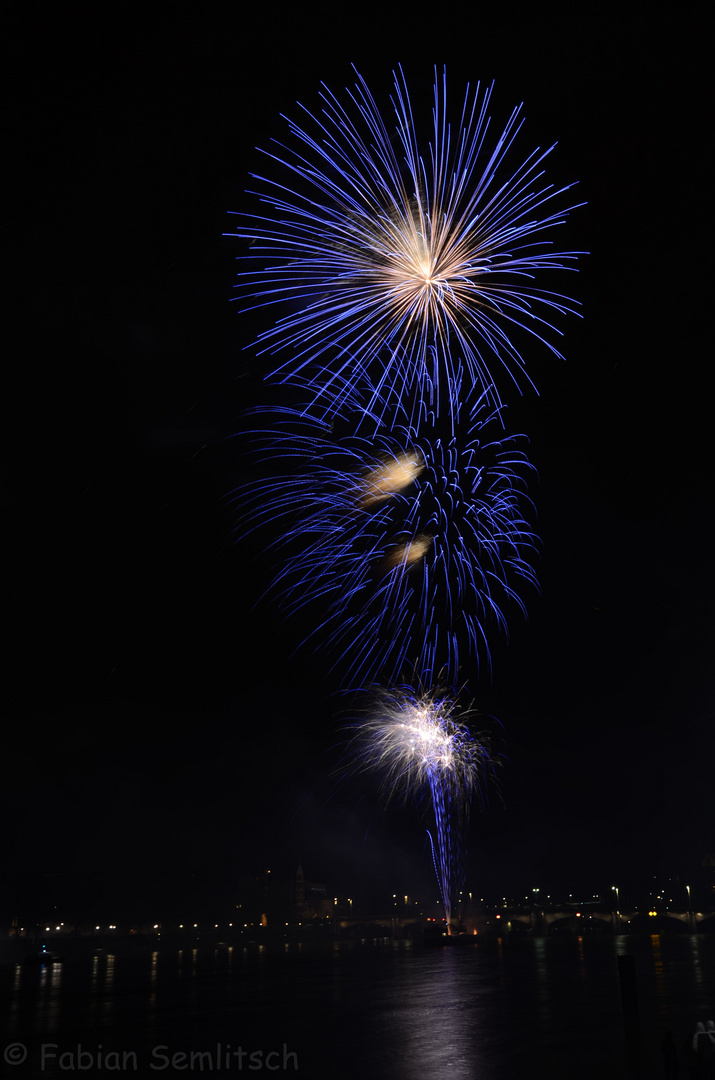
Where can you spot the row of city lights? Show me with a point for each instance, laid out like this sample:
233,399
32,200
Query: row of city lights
535,892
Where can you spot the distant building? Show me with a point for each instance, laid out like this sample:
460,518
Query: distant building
279,895
317,901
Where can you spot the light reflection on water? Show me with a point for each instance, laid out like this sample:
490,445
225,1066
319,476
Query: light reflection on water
49,982
581,959
659,972
496,1011
697,961
430,1024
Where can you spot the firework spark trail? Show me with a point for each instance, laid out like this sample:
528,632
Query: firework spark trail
377,249
415,576
419,744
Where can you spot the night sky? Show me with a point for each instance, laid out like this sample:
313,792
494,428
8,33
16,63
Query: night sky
163,737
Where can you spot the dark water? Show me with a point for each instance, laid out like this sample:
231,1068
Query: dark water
499,1011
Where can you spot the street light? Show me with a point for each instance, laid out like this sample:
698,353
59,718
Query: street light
617,912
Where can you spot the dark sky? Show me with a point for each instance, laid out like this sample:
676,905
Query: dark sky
160,730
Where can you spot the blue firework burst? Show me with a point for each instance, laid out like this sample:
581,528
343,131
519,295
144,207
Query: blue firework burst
376,249
404,529
419,745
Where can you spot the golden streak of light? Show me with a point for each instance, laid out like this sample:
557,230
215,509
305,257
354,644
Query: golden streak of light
409,553
391,477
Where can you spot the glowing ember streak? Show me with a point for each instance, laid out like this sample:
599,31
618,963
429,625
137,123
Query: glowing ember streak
408,553
391,477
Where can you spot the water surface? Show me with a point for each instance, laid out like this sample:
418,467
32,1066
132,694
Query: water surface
500,1010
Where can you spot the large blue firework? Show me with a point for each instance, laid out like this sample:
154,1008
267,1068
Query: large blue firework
404,531
376,248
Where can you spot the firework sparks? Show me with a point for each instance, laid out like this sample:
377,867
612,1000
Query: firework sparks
378,246
415,577
402,275
421,747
